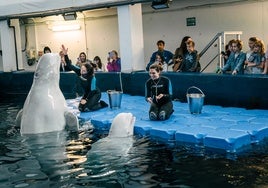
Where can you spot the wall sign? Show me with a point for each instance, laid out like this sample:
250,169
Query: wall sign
190,21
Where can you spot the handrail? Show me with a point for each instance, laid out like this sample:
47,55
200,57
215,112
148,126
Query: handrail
210,44
210,62
221,45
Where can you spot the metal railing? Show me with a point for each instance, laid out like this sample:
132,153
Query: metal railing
221,38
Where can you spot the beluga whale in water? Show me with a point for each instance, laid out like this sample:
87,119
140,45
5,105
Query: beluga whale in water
45,108
122,125
113,152
119,140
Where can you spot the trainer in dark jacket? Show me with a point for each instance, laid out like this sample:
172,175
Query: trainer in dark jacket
91,98
158,92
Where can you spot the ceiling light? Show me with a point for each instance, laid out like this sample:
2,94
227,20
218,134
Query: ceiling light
160,4
69,16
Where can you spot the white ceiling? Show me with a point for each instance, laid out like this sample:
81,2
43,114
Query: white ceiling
41,8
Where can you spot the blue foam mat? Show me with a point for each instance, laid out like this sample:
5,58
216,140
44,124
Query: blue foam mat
228,128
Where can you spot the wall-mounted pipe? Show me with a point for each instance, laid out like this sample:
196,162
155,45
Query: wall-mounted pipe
15,43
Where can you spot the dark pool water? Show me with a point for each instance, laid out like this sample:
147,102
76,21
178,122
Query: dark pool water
67,160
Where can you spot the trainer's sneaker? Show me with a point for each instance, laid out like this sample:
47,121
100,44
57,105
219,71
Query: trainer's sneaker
162,115
153,116
103,104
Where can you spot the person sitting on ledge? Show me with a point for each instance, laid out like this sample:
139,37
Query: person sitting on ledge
91,98
158,92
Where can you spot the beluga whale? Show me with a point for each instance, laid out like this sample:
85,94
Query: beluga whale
45,109
119,139
122,125
112,152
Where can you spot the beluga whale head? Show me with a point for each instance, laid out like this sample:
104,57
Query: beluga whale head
122,125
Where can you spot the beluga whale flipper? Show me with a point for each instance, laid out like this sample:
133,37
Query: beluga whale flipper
45,108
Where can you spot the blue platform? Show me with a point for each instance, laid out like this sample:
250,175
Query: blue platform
225,128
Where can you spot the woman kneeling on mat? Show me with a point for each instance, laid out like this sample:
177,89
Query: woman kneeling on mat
91,98
158,92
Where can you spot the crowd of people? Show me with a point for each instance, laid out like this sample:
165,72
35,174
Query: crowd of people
185,58
236,61
254,61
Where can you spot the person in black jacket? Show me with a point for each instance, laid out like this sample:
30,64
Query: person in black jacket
158,92
90,100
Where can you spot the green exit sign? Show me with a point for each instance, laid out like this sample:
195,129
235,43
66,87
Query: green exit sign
190,21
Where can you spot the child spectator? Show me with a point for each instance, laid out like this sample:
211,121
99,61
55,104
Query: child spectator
236,60
255,62
190,62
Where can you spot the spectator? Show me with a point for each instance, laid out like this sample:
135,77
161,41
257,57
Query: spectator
82,59
161,50
97,61
228,50
255,63
180,53
251,42
265,69
158,92
190,61
47,50
236,60
114,62
159,59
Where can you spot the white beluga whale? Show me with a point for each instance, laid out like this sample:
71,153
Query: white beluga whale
109,153
122,125
45,108
120,137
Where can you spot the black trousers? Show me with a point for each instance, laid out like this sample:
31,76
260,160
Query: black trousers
92,103
167,108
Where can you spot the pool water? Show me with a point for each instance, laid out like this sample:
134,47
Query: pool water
68,160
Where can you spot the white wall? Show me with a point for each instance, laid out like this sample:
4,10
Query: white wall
99,31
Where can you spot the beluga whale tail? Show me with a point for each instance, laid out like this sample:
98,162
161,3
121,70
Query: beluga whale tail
45,108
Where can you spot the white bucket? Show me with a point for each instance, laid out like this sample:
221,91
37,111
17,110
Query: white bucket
195,100
115,98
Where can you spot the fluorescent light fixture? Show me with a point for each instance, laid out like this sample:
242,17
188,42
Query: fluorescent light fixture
68,27
160,4
69,16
